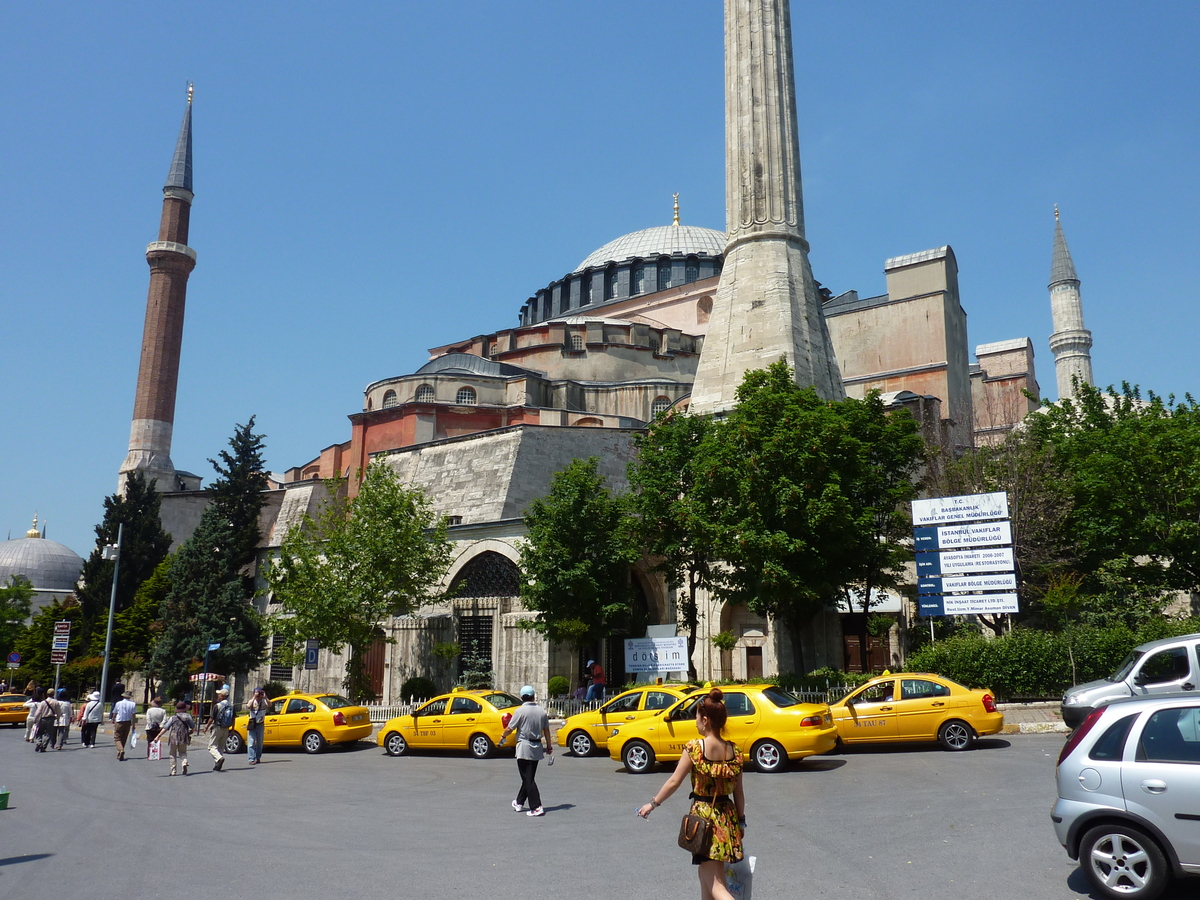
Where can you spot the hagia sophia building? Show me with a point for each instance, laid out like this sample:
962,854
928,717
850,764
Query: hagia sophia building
483,424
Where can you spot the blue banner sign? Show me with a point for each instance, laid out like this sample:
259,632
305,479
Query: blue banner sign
953,584
960,537
930,606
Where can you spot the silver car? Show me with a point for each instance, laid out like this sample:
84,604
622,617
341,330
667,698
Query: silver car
1128,804
1157,667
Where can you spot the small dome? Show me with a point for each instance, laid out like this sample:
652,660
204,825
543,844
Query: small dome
662,240
50,565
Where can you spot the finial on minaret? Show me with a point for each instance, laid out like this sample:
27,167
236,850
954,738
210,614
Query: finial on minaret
1055,212
676,222
191,90
33,532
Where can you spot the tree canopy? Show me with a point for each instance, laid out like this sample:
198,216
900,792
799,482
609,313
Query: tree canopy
340,574
575,558
15,600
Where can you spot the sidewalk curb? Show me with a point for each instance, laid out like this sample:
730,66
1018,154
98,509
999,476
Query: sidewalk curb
1035,728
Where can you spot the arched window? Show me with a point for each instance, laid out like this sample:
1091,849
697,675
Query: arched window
424,394
465,396
691,272
612,285
487,575
664,275
389,400
591,288
591,421
703,310
660,406
639,280
577,342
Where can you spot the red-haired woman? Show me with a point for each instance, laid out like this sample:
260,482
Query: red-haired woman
715,765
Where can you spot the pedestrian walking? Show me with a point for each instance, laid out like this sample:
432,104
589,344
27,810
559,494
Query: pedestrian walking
66,709
122,717
30,721
258,707
531,724
595,672
91,714
218,728
177,731
45,715
715,766
155,716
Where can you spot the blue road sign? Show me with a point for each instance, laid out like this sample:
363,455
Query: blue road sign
930,606
311,648
14,657
214,646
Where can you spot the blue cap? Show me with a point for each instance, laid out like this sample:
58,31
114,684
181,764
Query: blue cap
527,691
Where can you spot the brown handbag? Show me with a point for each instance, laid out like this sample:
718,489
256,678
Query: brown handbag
695,834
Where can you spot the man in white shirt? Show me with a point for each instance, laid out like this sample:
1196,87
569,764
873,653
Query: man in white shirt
217,731
531,724
122,717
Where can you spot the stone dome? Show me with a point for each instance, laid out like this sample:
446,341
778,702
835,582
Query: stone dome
662,240
49,565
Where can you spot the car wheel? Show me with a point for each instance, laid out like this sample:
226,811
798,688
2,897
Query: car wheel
395,744
637,757
481,746
956,735
768,756
581,744
1122,862
313,742
234,743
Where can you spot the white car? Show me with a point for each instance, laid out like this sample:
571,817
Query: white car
1128,804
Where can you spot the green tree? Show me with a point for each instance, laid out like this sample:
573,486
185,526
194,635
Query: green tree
800,495
211,584
576,557
669,522
15,600
339,575
34,642
144,545
136,629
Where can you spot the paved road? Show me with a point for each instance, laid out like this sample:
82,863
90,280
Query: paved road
354,823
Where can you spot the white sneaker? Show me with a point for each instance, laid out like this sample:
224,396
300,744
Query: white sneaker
536,812
517,806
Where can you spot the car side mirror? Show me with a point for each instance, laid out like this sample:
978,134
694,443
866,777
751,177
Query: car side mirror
1138,679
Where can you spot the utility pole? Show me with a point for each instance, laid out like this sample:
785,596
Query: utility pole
112,552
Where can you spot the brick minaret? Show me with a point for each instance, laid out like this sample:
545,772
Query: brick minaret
171,261
766,306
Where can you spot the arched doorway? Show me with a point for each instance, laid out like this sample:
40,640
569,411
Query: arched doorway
488,577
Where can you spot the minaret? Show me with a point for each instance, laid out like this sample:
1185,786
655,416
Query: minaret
1071,343
171,261
766,306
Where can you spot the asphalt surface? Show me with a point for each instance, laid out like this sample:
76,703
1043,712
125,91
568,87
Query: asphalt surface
914,822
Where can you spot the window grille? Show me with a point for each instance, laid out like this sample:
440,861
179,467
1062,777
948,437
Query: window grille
465,396
389,400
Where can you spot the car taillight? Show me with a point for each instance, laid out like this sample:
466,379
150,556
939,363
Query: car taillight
989,705
1078,734
813,721
339,719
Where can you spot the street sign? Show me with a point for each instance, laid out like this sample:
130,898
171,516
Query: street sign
63,627
14,658
214,646
311,650
959,537
13,665
952,584
966,508
60,643
58,657
62,637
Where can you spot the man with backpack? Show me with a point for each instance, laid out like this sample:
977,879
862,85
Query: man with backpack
218,728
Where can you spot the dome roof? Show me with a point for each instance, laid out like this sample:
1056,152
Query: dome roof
662,240
49,565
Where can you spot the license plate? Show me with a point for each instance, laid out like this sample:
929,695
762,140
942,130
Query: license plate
357,718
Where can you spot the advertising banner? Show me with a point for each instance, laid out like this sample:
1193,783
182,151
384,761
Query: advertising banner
667,654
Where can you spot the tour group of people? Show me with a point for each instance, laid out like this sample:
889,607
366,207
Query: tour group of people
52,713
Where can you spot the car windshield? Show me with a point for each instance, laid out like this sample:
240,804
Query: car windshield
1126,666
502,701
333,701
780,697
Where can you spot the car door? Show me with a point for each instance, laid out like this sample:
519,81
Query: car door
427,724
678,727
869,714
742,720
271,723
1170,669
1162,781
921,709
461,722
299,716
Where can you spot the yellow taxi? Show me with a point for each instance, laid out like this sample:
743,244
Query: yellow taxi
461,720
310,720
915,706
13,710
770,726
585,732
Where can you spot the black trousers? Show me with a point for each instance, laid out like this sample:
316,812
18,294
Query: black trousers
529,789
87,733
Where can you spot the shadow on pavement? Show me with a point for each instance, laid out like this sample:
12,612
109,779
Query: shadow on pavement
981,745
28,857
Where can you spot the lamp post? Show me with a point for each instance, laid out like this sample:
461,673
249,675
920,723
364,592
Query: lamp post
113,552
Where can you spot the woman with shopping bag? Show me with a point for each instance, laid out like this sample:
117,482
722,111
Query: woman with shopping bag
712,830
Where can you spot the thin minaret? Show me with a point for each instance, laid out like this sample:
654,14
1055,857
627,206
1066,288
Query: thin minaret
171,261
766,305
1071,343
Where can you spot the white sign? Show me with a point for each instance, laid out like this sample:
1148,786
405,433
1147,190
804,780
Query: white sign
952,537
656,654
1000,582
974,604
998,559
967,508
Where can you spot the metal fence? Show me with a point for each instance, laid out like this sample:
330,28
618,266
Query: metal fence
564,707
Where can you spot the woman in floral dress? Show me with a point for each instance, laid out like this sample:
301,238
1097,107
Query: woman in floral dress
715,765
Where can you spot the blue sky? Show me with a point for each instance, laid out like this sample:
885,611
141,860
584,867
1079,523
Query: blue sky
376,179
